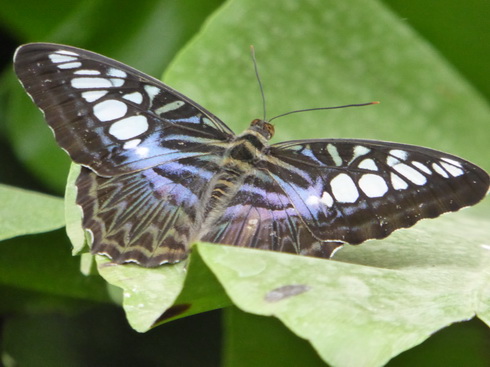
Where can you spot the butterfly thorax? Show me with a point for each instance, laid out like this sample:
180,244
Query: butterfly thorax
252,143
239,162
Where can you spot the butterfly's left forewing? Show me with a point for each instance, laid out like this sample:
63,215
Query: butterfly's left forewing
110,117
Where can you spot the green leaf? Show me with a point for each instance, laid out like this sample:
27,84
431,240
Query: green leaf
26,212
146,293
326,53
376,300
154,296
73,212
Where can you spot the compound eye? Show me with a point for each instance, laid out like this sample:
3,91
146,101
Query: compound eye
270,128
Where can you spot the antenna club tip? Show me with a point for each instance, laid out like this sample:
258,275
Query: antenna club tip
375,102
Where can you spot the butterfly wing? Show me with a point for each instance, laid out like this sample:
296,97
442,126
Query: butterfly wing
149,151
110,117
354,190
261,215
145,217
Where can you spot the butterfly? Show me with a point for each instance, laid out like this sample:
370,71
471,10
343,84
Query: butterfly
160,172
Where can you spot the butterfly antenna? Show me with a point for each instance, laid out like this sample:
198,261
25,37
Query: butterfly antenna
324,108
252,51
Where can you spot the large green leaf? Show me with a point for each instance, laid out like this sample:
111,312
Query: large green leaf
376,300
151,297
325,53
26,212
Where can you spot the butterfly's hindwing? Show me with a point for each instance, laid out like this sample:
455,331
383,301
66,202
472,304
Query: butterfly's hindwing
110,117
147,216
354,190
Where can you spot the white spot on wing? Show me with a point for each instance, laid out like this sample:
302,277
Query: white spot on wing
117,82
332,150
86,72
453,162
117,73
373,186
397,182
359,151
151,91
135,97
70,65
327,199
453,170
169,107
440,170
314,200
129,128
395,155
90,83
142,152
131,144
368,164
65,52
422,167
410,173
118,76
58,58
93,95
110,109
344,189
401,154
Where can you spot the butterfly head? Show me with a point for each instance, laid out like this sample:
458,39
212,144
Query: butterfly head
266,129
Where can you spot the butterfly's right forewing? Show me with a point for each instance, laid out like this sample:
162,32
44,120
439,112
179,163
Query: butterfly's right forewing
354,190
